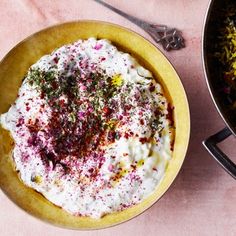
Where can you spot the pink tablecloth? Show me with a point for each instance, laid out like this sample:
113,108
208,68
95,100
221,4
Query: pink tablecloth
202,201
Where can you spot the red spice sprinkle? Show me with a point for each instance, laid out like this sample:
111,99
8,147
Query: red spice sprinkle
54,85
155,169
157,113
62,102
133,166
152,88
103,59
143,140
127,107
107,111
20,122
169,116
126,135
42,95
56,59
141,122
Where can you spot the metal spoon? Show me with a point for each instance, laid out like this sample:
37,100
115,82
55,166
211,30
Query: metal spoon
170,38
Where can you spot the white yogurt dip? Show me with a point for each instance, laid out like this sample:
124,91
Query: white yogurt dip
93,131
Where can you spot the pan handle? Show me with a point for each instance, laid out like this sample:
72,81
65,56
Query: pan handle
211,145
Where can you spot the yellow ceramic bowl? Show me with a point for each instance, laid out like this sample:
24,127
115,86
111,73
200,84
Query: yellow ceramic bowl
13,68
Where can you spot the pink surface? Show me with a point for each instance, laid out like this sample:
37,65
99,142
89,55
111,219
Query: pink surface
202,200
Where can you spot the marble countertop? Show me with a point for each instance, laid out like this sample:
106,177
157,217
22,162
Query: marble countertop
202,200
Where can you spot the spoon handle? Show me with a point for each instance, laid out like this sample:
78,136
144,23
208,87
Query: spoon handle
127,16
170,38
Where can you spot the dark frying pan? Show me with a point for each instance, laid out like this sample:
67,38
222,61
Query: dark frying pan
213,73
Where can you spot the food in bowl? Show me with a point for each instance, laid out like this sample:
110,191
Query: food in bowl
93,130
225,53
